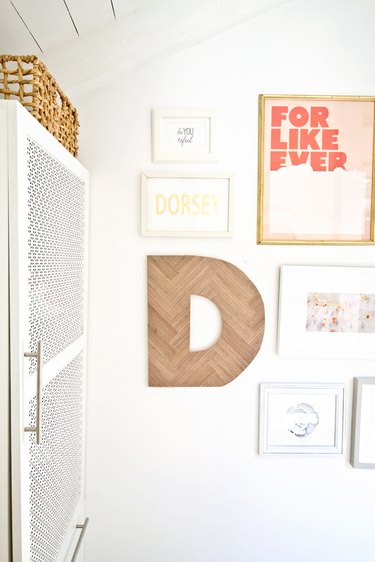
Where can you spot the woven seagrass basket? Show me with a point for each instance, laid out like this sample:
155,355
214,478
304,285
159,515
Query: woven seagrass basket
26,79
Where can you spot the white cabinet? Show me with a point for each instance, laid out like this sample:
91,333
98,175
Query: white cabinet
43,226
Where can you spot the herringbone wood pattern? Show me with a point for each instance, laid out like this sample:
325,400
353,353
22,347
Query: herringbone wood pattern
171,282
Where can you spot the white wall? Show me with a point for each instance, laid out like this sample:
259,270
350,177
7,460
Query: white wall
173,475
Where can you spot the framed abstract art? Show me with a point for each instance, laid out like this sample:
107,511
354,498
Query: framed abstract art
327,312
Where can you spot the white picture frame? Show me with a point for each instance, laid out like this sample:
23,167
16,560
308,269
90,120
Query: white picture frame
186,204
327,312
183,135
301,418
363,423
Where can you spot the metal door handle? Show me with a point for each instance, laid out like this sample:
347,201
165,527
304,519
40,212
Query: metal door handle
82,534
38,355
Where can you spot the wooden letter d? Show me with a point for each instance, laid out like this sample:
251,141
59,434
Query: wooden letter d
171,282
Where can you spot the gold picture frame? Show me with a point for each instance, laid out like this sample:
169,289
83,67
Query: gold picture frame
316,170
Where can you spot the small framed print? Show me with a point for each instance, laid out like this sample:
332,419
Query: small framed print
327,312
315,177
183,135
186,204
363,423
301,418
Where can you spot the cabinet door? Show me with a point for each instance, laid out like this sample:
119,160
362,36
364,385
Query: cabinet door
48,201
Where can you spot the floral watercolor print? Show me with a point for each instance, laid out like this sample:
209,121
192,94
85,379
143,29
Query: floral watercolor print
337,312
301,419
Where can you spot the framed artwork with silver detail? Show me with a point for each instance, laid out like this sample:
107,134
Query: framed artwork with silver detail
301,418
363,423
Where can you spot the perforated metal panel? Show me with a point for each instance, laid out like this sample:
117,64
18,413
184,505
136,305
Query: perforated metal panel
55,464
47,190
56,218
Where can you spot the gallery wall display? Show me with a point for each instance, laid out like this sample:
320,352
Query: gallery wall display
183,135
171,282
327,312
363,423
297,418
186,204
316,180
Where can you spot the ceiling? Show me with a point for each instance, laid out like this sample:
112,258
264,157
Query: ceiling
39,25
86,43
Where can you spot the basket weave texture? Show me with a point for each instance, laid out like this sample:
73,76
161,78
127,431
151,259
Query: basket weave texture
26,79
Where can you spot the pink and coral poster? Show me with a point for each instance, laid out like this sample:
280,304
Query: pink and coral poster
316,169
